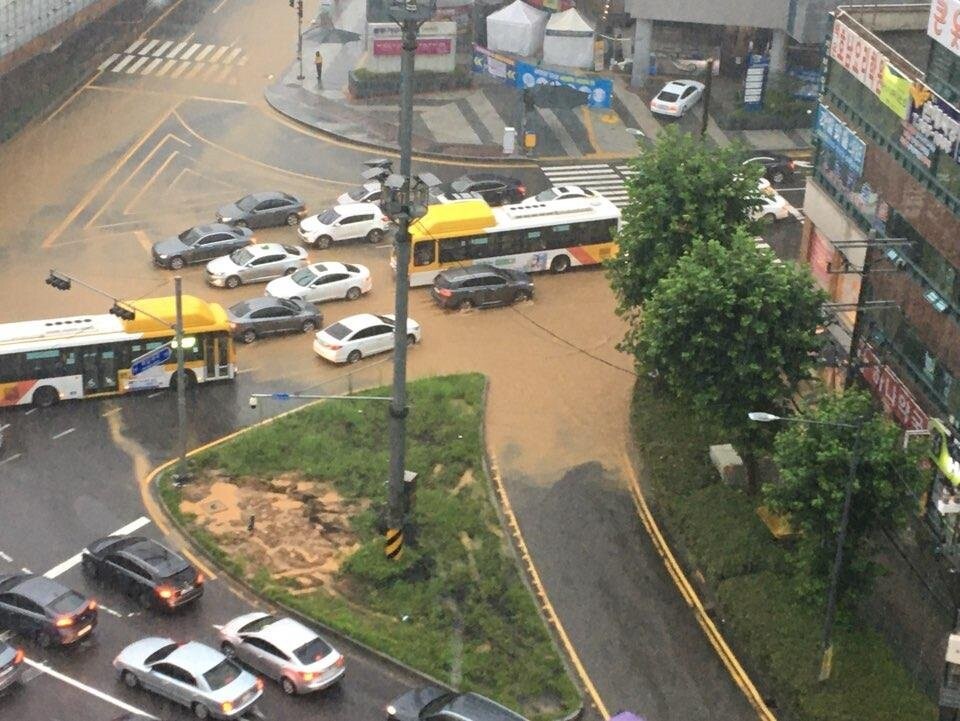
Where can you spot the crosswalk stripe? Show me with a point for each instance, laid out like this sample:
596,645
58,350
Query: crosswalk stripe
219,54
232,56
106,63
578,167
242,61
211,71
180,68
137,65
152,66
176,49
223,74
162,49
166,68
195,71
206,51
123,62
146,48
134,45
191,51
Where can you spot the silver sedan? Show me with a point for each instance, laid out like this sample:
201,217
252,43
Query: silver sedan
191,674
282,649
255,264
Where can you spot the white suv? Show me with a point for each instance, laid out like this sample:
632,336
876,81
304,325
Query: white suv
344,222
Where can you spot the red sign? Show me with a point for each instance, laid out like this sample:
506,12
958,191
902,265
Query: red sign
858,56
425,46
895,396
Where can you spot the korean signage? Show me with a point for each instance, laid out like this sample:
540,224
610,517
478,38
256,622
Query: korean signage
895,91
932,124
436,38
895,396
840,139
944,24
755,81
425,46
494,65
599,90
857,56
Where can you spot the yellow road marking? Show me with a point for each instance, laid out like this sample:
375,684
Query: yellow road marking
541,591
156,174
706,623
143,240
588,125
211,576
98,186
132,175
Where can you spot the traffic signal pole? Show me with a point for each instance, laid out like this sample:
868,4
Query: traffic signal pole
181,474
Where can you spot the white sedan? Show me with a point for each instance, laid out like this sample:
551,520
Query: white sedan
773,205
677,97
323,281
560,192
359,336
344,222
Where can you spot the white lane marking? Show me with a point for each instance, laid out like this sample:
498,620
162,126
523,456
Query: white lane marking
206,51
242,61
74,560
246,370
197,69
106,63
222,76
180,68
214,69
63,433
152,66
135,45
219,54
88,689
146,48
123,63
162,49
166,68
4,427
101,607
137,65
5,557
14,457
232,56
6,635
32,410
25,569
191,51
154,395
176,49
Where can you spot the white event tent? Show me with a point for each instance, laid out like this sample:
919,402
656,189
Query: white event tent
568,40
517,28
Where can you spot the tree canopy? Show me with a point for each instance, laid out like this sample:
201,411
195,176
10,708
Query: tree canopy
681,191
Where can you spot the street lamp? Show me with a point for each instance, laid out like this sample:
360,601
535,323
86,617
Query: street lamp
299,6
127,310
826,659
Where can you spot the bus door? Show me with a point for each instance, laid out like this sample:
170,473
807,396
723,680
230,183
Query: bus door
217,355
99,370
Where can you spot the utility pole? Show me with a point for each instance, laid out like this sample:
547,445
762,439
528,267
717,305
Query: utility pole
706,98
299,37
181,474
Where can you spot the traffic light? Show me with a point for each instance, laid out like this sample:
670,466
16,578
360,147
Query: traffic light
299,8
58,281
291,3
122,313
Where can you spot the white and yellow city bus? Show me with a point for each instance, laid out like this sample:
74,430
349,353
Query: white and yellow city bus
45,361
531,236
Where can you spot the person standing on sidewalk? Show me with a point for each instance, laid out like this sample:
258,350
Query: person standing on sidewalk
318,61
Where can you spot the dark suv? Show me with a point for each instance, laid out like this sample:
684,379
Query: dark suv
47,611
495,189
143,569
480,285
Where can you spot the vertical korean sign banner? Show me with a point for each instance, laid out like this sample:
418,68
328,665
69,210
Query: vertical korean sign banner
944,24
857,56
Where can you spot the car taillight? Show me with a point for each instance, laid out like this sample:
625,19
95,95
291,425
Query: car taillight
226,706
199,580
791,165
92,606
340,661
233,326
64,621
522,190
164,592
672,108
308,675
333,346
444,292
18,657
259,684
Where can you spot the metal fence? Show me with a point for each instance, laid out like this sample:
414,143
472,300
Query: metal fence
23,20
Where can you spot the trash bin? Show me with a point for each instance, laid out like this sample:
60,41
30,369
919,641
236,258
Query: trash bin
509,140
530,140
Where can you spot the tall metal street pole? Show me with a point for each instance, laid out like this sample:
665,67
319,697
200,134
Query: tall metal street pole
826,660
398,406
300,38
181,384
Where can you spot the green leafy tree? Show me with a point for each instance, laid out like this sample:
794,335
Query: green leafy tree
682,190
731,330
814,465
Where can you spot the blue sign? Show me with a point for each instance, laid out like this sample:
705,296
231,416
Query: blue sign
840,140
755,81
150,359
599,91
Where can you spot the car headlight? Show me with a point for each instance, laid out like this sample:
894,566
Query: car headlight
226,220
162,256
392,710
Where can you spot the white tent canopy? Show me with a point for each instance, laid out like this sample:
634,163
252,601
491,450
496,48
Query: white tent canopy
568,40
517,28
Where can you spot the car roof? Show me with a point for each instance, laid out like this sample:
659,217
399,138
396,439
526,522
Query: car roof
40,589
156,556
261,301
266,249
328,266
361,320
479,708
195,657
470,270
286,634
679,84
354,208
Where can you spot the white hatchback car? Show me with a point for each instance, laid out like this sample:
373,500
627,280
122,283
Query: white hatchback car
344,222
323,281
774,206
369,192
255,264
677,97
359,336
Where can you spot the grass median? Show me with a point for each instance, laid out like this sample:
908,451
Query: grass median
453,606
776,634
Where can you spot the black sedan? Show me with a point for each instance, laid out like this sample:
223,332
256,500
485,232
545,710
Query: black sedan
143,569
481,285
776,168
200,243
47,611
262,210
495,189
257,317
433,704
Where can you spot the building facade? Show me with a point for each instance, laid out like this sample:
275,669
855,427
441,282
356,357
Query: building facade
887,171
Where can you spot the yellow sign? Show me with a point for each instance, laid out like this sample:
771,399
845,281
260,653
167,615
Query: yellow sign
895,91
394,543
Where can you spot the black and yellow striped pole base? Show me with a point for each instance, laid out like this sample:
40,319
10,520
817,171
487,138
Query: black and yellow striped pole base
394,543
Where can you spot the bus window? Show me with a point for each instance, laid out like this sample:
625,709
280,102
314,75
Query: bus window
423,252
559,236
535,241
480,247
453,250
511,242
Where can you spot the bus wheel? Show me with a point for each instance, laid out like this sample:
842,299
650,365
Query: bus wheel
45,396
560,264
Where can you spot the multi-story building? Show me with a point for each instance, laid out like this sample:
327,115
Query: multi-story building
887,168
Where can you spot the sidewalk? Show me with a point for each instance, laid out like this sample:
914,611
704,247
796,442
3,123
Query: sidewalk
469,123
